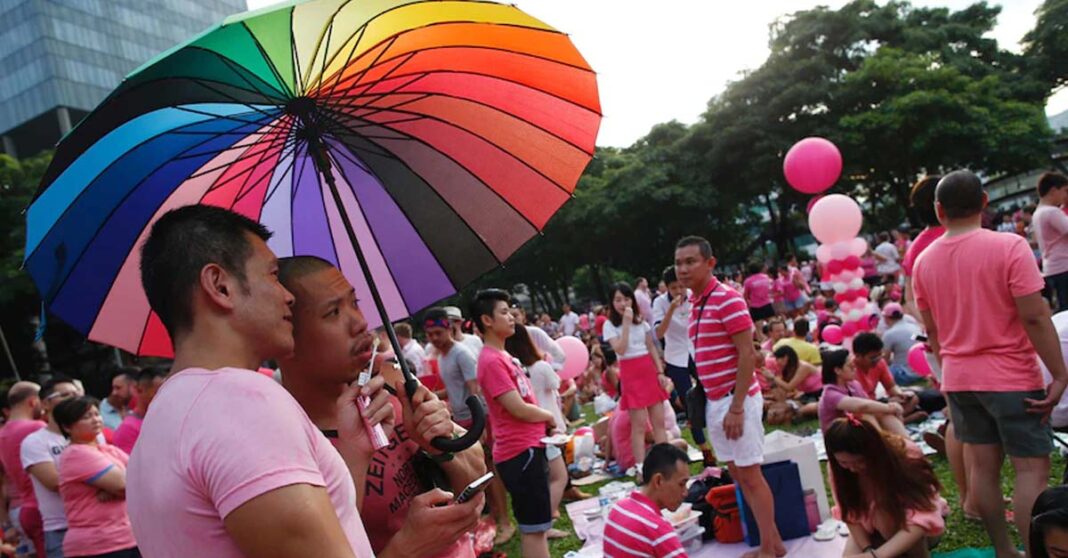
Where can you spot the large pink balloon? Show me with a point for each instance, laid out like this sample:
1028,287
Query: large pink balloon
918,360
812,165
576,357
835,218
832,334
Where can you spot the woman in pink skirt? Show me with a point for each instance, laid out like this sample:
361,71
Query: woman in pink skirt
640,369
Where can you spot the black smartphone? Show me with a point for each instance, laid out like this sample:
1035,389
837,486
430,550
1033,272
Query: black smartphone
476,486
920,338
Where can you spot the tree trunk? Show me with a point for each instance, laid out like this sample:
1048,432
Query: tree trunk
598,282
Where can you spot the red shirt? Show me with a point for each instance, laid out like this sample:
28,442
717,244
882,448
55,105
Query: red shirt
718,313
871,378
598,324
19,486
497,375
635,528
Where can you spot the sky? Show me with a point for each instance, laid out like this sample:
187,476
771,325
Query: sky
665,64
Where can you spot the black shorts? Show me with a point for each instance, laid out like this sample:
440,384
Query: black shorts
762,313
526,477
988,417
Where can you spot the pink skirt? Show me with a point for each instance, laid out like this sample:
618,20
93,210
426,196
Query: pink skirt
639,383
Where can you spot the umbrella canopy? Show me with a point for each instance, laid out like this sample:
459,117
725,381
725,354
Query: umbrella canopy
453,130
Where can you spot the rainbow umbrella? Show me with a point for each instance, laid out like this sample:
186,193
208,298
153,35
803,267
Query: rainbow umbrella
453,130
414,144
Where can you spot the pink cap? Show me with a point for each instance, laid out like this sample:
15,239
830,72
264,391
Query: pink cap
893,310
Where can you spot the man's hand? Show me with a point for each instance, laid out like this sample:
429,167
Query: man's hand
734,424
1054,391
896,409
350,419
426,417
434,522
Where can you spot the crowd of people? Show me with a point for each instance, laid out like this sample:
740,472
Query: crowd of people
329,453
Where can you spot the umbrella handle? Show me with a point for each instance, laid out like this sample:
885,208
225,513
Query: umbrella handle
478,423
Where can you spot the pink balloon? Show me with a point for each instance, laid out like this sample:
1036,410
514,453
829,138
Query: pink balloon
849,329
823,253
835,218
834,266
840,250
821,315
812,165
820,303
576,357
812,202
858,246
833,335
918,360
851,263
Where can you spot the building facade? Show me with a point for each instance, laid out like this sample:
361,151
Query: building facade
60,58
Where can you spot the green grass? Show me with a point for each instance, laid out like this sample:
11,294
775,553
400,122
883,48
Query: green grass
959,533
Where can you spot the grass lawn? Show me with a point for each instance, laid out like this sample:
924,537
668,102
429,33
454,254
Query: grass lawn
960,533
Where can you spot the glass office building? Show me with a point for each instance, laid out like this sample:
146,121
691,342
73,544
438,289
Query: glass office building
59,58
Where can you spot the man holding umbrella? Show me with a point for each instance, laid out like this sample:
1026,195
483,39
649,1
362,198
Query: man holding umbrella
228,464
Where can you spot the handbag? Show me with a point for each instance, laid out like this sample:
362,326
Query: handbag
791,517
726,515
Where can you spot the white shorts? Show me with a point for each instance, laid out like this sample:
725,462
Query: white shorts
749,448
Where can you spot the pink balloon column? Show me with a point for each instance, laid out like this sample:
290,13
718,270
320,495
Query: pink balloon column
835,221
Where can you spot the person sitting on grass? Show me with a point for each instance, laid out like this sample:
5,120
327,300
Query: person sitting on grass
842,393
872,371
798,380
1049,524
635,526
887,492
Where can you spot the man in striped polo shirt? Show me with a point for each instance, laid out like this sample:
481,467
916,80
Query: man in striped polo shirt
722,334
635,526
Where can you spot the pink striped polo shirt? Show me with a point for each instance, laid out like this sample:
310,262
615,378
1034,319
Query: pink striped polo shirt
718,313
636,528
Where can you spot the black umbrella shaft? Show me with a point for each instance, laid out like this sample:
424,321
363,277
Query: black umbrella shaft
318,154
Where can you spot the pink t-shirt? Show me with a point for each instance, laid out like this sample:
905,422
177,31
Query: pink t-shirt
1051,231
497,375
923,240
93,527
127,433
757,290
619,427
212,441
833,394
969,283
391,484
871,378
19,488
790,292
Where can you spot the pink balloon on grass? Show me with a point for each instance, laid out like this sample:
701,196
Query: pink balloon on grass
833,335
835,218
812,165
917,360
576,357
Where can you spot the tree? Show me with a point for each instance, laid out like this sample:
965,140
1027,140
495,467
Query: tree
1046,46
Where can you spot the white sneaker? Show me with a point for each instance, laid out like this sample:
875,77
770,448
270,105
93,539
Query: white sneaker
828,530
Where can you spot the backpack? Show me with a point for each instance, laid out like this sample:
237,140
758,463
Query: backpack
726,517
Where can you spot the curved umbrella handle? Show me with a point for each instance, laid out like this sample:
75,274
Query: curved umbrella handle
478,423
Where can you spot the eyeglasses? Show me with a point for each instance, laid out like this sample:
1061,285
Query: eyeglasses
63,394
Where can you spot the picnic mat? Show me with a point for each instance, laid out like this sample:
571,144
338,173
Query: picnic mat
966,553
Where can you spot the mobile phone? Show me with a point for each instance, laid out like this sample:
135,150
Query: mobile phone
476,486
920,338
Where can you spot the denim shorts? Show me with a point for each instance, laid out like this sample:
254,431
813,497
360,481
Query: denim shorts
993,417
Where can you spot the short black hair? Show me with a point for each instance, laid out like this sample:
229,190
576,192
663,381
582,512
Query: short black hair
831,360
866,342
755,267
801,327
129,372
960,193
662,458
701,243
294,267
434,314
1050,511
181,243
668,276
150,373
484,303
72,410
50,386
1049,181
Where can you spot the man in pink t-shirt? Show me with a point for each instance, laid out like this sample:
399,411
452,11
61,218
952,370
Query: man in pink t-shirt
144,388
331,342
25,419
980,295
228,464
517,421
1051,231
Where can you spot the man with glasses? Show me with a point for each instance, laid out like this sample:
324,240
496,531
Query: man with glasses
872,371
40,458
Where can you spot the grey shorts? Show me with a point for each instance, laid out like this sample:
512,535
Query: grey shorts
992,417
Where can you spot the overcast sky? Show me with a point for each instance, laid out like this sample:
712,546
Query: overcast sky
655,65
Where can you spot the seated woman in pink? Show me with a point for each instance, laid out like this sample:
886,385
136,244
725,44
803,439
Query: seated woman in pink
887,492
842,394
92,484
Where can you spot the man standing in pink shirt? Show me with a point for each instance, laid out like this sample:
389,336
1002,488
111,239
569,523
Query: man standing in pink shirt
228,465
26,412
980,295
145,388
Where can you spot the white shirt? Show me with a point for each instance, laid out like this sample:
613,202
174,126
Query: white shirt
890,265
1059,417
569,323
415,355
548,345
546,390
44,446
636,346
677,343
472,342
